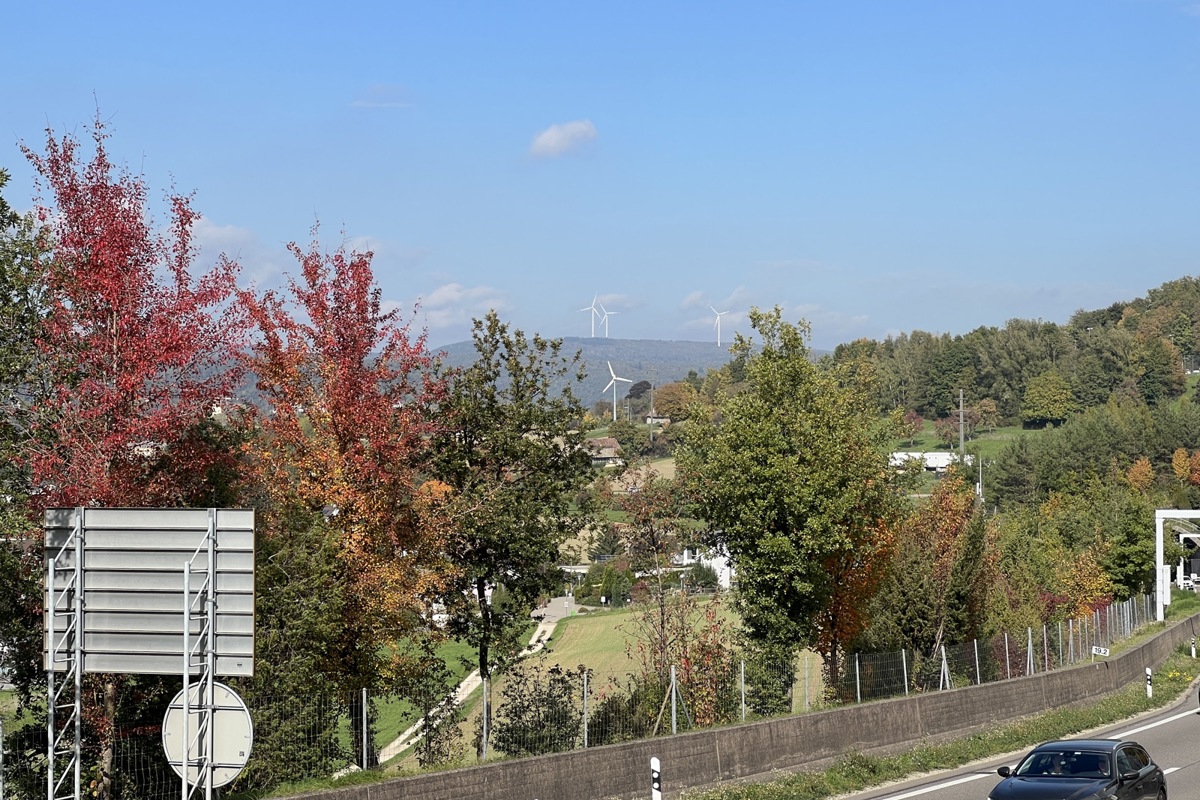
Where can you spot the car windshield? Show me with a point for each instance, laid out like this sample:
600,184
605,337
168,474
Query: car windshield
1065,764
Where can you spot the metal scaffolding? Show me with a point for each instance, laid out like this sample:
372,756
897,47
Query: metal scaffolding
64,725
200,606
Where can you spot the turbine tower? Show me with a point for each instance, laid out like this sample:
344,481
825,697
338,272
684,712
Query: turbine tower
717,323
613,385
604,318
594,314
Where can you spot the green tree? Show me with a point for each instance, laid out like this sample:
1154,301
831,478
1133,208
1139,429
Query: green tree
794,481
541,712
1047,400
300,600
516,465
22,307
1161,370
605,543
633,438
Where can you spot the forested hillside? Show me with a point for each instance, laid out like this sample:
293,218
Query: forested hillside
1038,372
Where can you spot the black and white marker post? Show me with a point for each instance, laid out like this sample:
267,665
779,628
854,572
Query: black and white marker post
1149,684
655,779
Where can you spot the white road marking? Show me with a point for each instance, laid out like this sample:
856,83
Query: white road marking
943,785
1163,721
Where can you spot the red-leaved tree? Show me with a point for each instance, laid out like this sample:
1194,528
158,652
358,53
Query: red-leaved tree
134,351
349,390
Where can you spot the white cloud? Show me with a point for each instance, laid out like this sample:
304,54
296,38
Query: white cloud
560,139
383,95
262,267
449,308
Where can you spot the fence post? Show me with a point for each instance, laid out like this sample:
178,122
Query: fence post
945,678
806,657
741,680
365,763
904,666
1030,663
1060,647
1007,660
2,757
857,680
585,716
673,727
1045,647
978,673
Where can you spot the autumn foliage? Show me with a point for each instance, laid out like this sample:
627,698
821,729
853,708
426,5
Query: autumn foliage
349,389
135,350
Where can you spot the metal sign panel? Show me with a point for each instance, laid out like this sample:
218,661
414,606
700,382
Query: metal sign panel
132,585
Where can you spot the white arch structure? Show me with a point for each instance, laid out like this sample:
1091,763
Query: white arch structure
1162,583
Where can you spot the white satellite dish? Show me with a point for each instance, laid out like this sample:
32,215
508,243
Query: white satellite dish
233,735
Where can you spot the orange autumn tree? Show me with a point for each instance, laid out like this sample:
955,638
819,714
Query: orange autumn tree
856,574
341,447
937,577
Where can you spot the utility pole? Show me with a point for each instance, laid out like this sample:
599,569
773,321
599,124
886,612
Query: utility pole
961,432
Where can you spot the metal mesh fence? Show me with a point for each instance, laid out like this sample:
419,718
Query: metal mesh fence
544,710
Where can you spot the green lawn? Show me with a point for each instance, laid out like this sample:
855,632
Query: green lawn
597,639
601,641
395,716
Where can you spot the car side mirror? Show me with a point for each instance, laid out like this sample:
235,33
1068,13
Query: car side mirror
1004,771
1129,776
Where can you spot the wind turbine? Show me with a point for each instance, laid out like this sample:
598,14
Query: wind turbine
717,323
613,385
594,314
604,318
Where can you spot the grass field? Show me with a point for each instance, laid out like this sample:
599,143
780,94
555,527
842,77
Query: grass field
600,641
603,640
395,716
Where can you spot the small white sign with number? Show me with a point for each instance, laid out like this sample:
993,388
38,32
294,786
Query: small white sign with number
1100,651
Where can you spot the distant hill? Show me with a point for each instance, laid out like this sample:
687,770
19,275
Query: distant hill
651,360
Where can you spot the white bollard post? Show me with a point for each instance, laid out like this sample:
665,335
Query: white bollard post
1149,684
655,779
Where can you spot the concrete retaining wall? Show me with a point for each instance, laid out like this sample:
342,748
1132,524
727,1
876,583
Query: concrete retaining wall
711,756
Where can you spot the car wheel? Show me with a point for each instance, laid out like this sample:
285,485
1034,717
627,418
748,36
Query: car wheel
1162,793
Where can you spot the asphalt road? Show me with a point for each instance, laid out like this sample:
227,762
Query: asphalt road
1171,735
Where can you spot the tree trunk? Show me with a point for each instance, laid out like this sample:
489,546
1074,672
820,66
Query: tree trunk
485,637
108,740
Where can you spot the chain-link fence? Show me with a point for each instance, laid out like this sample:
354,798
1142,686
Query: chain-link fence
535,709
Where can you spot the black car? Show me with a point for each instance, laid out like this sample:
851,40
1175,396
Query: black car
1083,769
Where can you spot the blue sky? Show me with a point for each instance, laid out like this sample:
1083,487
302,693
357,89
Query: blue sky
872,167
